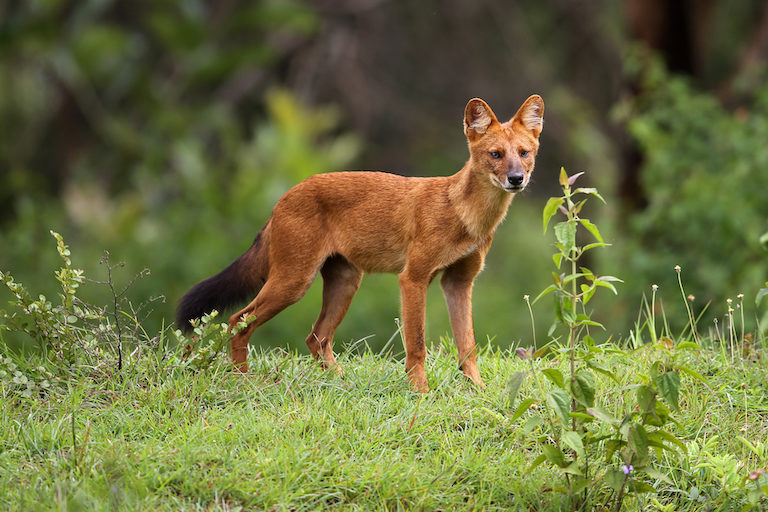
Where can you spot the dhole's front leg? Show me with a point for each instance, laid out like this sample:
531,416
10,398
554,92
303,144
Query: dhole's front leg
413,293
457,283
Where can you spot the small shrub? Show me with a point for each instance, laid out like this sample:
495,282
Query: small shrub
72,334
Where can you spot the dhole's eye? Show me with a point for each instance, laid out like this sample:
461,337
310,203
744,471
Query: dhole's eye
495,154
523,154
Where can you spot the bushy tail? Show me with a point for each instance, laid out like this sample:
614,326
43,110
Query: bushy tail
239,282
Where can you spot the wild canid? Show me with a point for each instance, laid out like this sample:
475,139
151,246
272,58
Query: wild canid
343,224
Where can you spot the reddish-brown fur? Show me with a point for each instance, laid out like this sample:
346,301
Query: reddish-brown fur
344,224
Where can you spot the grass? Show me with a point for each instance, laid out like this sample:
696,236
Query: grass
290,436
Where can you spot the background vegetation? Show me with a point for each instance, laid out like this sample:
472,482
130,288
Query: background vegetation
164,132
158,135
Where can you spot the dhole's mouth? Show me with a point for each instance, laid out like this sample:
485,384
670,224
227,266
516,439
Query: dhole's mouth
507,187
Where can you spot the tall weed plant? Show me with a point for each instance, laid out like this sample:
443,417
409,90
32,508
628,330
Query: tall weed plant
602,453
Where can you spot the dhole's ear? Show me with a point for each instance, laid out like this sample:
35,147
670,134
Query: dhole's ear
531,115
478,116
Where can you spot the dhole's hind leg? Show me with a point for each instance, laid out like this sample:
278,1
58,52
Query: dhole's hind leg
341,279
279,292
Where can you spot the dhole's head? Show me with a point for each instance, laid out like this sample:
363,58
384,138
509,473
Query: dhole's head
505,152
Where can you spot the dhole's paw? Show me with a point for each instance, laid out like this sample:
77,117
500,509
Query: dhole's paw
418,379
334,367
473,374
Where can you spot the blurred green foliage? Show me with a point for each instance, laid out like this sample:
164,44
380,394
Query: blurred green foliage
704,175
105,91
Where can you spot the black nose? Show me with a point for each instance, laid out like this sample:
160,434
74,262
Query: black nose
515,178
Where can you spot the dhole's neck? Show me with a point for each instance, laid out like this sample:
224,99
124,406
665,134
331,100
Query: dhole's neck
480,205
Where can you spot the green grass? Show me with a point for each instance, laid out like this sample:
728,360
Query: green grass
290,436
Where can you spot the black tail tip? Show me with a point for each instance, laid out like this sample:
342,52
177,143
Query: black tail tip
183,321
189,309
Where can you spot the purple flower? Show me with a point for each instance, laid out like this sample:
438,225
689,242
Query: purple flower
523,353
627,469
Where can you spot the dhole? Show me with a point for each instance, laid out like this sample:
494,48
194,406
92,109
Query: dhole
343,224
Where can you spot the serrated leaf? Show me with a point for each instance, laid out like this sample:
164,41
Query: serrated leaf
592,229
614,479
557,258
669,387
646,399
573,441
565,232
662,413
583,388
555,376
522,407
550,209
554,455
560,404
637,441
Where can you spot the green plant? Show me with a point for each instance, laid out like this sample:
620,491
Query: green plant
62,331
602,456
72,333
200,348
